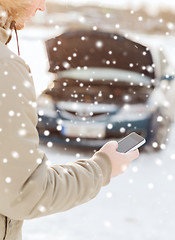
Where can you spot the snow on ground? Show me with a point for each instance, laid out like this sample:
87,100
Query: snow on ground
136,205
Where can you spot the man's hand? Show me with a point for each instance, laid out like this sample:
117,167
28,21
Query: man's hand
120,161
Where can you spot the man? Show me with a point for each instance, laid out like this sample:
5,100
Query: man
28,187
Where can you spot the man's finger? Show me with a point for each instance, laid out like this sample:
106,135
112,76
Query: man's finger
133,155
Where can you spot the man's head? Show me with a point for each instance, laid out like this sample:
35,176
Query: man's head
22,10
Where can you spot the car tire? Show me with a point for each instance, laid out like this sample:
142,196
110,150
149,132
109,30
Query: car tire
159,130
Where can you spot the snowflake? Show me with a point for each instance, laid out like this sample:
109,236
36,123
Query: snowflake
126,98
109,126
46,133
27,84
107,224
124,167
39,160
77,155
15,154
22,132
41,208
69,58
48,163
57,27
5,160
117,26
108,15
50,144
122,130
155,144
59,42
150,185
159,119
109,194
170,177
135,169
172,156
11,113
162,146
41,112
59,127
158,162
83,38
66,65
140,18
31,151
8,180
95,28
99,44
99,135
81,19
130,181
170,25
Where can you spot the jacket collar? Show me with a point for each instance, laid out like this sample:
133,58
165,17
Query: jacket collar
5,22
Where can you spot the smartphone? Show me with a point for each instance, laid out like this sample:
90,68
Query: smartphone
130,143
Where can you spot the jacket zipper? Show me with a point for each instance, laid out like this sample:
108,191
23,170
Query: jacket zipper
5,228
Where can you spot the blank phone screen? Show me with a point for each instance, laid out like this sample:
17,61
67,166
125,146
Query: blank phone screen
126,144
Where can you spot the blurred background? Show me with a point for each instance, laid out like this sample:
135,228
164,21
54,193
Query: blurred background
140,203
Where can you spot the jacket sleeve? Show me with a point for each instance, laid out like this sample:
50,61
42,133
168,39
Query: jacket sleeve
29,188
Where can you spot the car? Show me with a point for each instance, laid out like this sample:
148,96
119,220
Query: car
106,86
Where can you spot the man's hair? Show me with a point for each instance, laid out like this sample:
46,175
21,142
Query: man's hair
15,8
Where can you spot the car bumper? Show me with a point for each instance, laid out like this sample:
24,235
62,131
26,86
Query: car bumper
117,132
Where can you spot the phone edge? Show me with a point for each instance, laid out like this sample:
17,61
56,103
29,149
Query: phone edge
137,146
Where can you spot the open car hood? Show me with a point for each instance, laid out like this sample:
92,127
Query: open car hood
99,50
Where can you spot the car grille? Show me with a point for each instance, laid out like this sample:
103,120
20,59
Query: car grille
116,135
87,115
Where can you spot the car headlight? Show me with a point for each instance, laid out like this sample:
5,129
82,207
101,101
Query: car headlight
46,106
133,112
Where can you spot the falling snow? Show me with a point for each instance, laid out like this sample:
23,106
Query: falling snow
144,196
8,180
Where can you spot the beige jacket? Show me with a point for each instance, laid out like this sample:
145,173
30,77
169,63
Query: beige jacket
29,188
